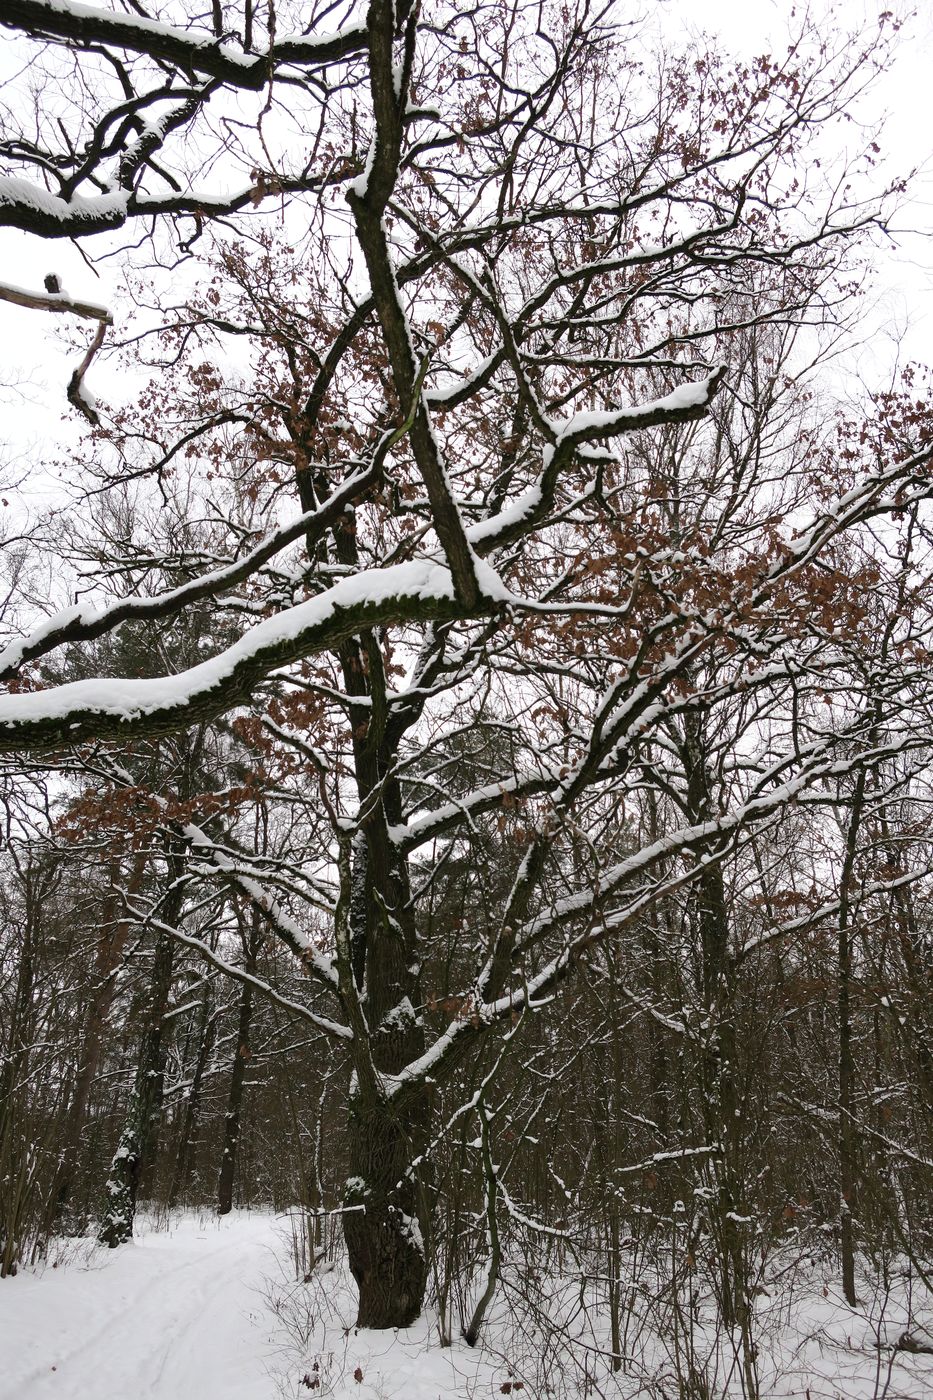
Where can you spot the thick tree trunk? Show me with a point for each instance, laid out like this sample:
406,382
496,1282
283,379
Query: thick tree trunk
383,1224
386,1221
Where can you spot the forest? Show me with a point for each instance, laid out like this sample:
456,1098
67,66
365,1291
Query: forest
466,733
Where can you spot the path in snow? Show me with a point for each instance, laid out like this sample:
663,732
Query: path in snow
182,1314
178,1314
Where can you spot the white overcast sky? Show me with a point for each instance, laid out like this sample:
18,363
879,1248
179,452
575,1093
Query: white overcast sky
35,365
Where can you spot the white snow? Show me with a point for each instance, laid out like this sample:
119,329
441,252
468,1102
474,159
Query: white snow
360,185
298,46
177,1313
15,652
438,397
207,1310
400,1017
579,426
61,300
16,191
513,514
210,1310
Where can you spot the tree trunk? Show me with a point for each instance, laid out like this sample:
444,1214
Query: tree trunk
386,1221
848,1141
235,1103
110,945
135,1155
14,1059
383,1219
207,1025
719,1084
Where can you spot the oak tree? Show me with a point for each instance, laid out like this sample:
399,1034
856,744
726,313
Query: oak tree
456,478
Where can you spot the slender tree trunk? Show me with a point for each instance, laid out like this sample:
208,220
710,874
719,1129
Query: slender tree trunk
235,1103
15,1062
207,1025
848,1141
110,945
719,1086
654,936
491,1188
135,1156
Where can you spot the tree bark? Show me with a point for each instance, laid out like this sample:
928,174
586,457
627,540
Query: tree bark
386,1222
719,1089
848,1141
235,1100
14,1058
207,1026
134,1158
383,1217
107,956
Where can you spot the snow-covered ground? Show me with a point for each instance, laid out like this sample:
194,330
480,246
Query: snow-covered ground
210,1310
177,1313
193,1311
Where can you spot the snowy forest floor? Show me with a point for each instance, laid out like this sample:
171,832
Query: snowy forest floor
203,1309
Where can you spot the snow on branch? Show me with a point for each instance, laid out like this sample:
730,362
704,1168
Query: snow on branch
54,299
102,708
200,52
31,207
287,928
686,403
296,1008
710,842
428,826
80,624
714,837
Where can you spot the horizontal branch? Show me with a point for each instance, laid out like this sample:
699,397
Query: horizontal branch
685,404
34,209
80,624
429,825
71,23
54,301
88,710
